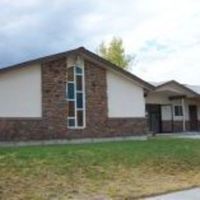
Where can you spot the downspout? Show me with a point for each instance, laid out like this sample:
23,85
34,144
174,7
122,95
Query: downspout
172,121
183,107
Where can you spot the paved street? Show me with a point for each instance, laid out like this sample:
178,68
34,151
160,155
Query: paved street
192,194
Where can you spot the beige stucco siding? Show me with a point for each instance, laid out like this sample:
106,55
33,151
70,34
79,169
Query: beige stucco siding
125,99
20,92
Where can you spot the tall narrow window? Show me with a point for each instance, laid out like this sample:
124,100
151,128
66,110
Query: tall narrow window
76,97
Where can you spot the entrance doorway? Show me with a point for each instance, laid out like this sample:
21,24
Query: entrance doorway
193,118
154,117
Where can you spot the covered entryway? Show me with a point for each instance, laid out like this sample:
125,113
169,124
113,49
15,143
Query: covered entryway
172,107
160,119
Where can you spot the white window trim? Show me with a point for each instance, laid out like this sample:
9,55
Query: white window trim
75,98
84,97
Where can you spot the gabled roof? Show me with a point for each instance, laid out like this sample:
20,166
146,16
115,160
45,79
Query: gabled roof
88,55
195,88
188,88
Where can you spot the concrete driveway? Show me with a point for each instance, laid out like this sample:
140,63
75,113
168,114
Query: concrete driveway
192,194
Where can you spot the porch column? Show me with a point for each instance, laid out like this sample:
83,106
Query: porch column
183,108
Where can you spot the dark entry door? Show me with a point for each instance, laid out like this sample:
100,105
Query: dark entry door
193,117
154,117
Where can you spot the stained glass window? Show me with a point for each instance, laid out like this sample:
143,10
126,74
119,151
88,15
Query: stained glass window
76,101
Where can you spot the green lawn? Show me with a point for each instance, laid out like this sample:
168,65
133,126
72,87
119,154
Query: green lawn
115,170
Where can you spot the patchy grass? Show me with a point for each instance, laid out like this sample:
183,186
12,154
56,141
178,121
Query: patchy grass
118,170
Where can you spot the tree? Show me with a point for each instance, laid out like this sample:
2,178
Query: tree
115,53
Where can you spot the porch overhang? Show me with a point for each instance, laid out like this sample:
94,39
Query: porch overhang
175,93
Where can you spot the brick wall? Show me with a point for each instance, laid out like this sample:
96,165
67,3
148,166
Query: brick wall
97,122
53,124
54,109
176,126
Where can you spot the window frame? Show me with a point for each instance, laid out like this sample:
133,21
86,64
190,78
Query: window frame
83,109
179,111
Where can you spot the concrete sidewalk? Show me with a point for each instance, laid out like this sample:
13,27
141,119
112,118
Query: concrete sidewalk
183,135
191,194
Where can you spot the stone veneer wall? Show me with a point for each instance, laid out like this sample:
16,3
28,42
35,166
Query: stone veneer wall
53,124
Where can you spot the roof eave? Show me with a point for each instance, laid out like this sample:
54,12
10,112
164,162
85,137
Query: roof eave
87,55
180,85
39,60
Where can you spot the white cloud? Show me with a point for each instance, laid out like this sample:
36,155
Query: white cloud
181,59
171,26
175,27
164,35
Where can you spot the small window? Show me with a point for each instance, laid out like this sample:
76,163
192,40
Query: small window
71,108
71,122
79,100
80,117
178,110
79,85
79,71
70,90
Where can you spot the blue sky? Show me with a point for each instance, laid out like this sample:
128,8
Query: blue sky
164,35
